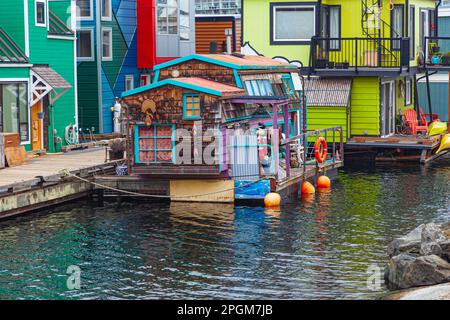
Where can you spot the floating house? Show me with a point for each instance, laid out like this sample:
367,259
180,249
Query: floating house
119,42
221,122
361,56
38,72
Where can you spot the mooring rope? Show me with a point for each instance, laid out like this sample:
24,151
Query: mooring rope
67,173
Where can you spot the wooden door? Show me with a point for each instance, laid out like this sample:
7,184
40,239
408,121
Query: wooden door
36,126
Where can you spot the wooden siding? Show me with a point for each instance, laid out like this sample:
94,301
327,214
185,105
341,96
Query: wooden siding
88,112
208,30
365,106
325,117
12,20
196,68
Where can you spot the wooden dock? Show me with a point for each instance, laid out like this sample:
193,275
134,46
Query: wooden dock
40,182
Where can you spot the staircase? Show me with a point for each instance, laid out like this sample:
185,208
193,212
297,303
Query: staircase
9,50
378,30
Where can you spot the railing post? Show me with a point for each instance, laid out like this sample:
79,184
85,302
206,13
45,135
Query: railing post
356,55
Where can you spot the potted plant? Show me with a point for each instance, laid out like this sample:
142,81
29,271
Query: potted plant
345,65
436,58
321,60
338,65
331,64
117,148
445,59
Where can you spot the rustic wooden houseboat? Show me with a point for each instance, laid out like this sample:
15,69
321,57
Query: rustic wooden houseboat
220,128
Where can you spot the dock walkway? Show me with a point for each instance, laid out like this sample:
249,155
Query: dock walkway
40,182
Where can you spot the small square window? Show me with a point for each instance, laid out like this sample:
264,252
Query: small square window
40,13
106,10
191,106
144,79
84,9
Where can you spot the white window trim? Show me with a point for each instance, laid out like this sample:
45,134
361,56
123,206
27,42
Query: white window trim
92,57
91,12
146,75
110,58
36,23
23,80
275,7
109,17
129,77
408,89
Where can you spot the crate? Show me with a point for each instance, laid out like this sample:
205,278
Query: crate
11,140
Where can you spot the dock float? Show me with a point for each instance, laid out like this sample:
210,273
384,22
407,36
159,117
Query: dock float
41,182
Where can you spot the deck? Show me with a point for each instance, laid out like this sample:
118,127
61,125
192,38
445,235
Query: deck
40,182
396,147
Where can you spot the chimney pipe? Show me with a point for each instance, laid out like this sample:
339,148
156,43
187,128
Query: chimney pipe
228,33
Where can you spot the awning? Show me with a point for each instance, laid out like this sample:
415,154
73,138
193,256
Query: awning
45,81
328,92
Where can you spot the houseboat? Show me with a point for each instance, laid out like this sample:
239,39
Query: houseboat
361,59
224,128
119,42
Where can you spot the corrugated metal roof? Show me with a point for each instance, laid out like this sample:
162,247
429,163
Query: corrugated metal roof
328,92
248,60
54,79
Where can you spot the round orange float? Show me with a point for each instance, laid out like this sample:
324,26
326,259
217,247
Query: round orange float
320,150
308,188
272,200
323,182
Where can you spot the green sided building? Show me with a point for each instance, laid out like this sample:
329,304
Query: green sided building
38,71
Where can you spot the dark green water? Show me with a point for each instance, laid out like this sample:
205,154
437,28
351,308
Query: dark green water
319,248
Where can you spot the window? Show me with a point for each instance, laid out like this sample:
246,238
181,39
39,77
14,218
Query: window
85,47
446,3
107,44
334,13
259,87
84,9
41,15
397,22
283,30
144,79
191,106
106,10
129,82
14,109
167,16
288,85
408,91
154,143
184,20
412,32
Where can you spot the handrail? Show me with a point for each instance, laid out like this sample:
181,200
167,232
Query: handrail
12,48
58,25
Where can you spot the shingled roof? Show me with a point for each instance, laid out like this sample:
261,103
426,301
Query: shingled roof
328,92
54,79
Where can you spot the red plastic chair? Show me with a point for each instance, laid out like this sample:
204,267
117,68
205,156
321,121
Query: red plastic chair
413,123
425,116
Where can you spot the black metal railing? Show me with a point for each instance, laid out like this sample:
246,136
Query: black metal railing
359,53
436,52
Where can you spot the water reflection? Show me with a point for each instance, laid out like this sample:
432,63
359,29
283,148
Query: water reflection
319,246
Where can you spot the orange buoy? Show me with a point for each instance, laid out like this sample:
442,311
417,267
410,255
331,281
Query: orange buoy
272,200
323,182
308,188
320,150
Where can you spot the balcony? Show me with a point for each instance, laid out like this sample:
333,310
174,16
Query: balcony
436,53
359,56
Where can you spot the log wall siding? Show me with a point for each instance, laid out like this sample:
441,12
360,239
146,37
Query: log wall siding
200,69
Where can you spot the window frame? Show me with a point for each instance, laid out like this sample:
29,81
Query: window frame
412,32
257,85
91,13
107,58
396,45
109,16
409,101
36,23
304,5
92,56
167,7
17,82
192,109
155,138
145,76
129,77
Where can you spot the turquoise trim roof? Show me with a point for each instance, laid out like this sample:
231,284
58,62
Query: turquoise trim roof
172,82
217,62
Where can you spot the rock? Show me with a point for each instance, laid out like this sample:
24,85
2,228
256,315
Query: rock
445,248
445,227
407,244
429,248
431,232
406,271
437,292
